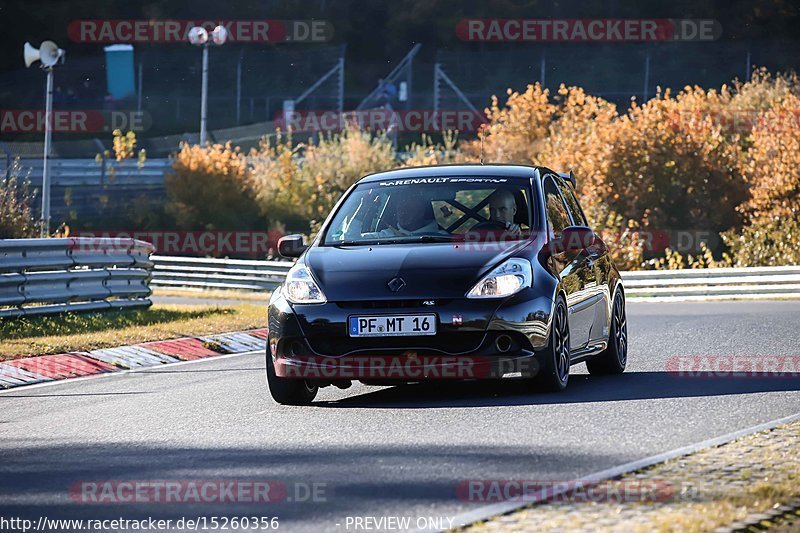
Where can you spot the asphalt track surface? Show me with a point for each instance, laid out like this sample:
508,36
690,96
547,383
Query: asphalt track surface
385,451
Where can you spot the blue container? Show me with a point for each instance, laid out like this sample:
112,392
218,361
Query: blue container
119,71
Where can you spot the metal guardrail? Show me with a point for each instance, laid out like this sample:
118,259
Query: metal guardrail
93,173
750,282
203,273
44,276
81,187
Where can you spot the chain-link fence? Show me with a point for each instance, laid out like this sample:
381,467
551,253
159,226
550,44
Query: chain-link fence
614,71
246,85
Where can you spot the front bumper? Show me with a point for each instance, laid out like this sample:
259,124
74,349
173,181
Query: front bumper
312,341
406,367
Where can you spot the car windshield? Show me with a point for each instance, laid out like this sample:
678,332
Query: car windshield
433,209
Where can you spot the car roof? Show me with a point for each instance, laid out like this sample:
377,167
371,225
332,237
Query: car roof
489,170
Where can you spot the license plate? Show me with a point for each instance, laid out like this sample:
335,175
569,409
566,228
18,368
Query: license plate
392,325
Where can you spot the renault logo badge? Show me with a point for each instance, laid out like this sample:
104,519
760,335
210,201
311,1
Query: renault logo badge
396,284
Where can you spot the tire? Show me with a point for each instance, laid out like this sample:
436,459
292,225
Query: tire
289,391
613,359
554,372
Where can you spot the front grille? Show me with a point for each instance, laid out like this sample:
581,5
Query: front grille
448,344
391,304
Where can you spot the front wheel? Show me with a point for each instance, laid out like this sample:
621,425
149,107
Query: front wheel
289,391
613,359
554,372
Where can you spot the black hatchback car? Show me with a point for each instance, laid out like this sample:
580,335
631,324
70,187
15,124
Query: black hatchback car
447,272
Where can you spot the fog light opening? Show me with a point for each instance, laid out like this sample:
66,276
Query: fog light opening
503,343
296,349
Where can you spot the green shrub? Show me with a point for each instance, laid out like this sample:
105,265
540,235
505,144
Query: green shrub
298,184
765,243
16,207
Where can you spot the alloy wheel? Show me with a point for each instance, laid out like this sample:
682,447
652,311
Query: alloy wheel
620,329
561,344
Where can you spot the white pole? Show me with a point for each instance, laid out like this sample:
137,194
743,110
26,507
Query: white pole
542,69
204,96
48,117
239,89
747,73
436,89
341,85
139,99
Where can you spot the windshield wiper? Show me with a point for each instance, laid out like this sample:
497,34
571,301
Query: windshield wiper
424,238
357,243
395,240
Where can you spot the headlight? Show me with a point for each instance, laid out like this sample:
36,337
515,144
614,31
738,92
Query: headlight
300,287
505,280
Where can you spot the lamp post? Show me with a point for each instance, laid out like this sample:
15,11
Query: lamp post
198,36
48,55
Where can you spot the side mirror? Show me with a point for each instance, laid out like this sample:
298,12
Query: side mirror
291,246
574,239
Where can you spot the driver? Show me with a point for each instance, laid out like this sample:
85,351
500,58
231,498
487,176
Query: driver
502,208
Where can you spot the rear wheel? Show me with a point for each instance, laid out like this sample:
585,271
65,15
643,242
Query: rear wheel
613,359
289,391
554,372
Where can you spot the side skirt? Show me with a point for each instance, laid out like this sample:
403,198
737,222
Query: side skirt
587,353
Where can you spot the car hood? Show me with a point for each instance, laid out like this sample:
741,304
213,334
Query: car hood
438,270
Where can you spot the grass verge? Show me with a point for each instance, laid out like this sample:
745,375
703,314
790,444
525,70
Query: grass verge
213,294
24,337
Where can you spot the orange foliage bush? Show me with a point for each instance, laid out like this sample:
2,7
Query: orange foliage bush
427,152
210,187
771,169
673,172
300,183
772,166
701,160
515,130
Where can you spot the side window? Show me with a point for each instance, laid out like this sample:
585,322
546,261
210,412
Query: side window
572,204
557,213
